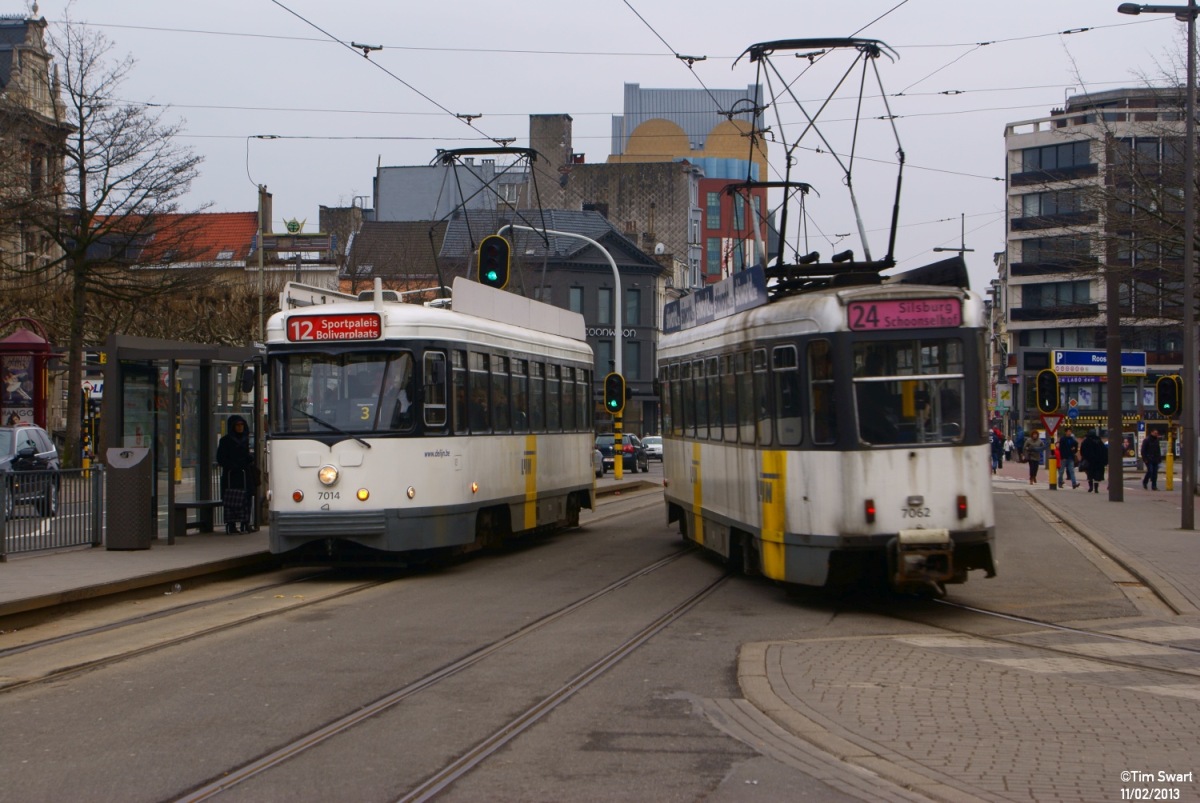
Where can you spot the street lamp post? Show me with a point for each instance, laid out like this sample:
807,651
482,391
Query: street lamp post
963,248
1186,14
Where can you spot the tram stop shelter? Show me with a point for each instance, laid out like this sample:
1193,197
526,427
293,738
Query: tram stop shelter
175,398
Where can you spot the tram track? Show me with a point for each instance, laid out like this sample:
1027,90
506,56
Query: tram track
471,758
313,587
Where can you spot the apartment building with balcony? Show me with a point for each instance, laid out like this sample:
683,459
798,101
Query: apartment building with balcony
1094,208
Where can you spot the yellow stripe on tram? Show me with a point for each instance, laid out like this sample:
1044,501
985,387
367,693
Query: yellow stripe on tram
772,485
697,497
529,469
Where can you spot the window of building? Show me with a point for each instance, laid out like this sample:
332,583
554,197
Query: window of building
633,308
712,211
739,213
575,300
631,357
1065,251
1058,202
1055,157
604,301
604,356
1055,294
712,256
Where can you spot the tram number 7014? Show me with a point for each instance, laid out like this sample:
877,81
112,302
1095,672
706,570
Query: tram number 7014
914,513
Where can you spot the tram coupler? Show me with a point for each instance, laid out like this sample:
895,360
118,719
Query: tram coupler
921,556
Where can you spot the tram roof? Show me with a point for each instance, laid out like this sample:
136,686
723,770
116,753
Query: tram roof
824,310
542,335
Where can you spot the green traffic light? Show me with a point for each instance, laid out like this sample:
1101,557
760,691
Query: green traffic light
492,275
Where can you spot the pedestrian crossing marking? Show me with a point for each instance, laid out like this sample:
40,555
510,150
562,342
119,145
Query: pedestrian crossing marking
1062,665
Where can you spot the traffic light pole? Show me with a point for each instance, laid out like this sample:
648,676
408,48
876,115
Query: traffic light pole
618,331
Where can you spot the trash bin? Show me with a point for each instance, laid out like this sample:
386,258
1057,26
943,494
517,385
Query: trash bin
128,500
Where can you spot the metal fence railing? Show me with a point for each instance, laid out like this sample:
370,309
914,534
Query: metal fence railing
43,510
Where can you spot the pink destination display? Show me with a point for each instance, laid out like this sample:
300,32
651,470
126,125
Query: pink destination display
359,326
917,313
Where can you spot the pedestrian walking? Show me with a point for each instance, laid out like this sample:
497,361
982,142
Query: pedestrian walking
1008,449
1093,459
1033,451
997,444
1151,456
239,477
1068,447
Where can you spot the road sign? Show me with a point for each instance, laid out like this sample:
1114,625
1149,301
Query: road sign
1073,413
1051,422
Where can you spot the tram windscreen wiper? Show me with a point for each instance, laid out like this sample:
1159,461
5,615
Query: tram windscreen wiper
328,425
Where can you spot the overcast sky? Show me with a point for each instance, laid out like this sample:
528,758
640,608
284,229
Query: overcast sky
234,69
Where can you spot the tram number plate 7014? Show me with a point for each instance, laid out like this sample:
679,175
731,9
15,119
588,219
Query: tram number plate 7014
916,313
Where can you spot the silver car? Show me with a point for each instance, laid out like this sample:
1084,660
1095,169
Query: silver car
653,444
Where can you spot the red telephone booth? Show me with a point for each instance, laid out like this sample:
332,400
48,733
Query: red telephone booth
24,371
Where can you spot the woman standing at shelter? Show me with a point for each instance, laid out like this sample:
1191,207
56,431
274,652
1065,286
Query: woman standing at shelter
238,475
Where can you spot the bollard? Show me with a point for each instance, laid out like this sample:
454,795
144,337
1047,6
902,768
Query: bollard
1052,469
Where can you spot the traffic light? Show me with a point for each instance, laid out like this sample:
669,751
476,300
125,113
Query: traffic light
495,257
1168,395
1046,389
614,393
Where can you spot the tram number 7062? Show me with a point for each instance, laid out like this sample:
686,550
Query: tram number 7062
914,513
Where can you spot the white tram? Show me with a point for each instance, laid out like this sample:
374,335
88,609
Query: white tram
832,432
401,428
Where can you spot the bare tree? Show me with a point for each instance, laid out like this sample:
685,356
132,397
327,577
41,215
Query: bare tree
122,172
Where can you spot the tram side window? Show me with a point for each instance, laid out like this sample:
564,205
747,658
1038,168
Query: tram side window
666,388
762,396
822,401
553,403
501,420
729,408
713,383
568,399
478,415
745,398
583,385
701,399
788,422
433,394
688,393
520,396
460,391
537,396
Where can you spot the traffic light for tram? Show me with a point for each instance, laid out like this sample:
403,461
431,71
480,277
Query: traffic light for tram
495,257
1168,395
1046,389
614,393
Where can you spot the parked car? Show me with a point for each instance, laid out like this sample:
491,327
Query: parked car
598,463
653,444
30,466
634,453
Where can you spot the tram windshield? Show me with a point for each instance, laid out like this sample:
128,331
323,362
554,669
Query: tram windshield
350,393
909,391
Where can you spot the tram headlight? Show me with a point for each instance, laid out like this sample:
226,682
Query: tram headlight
474,487
363,494
328,475
411,492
